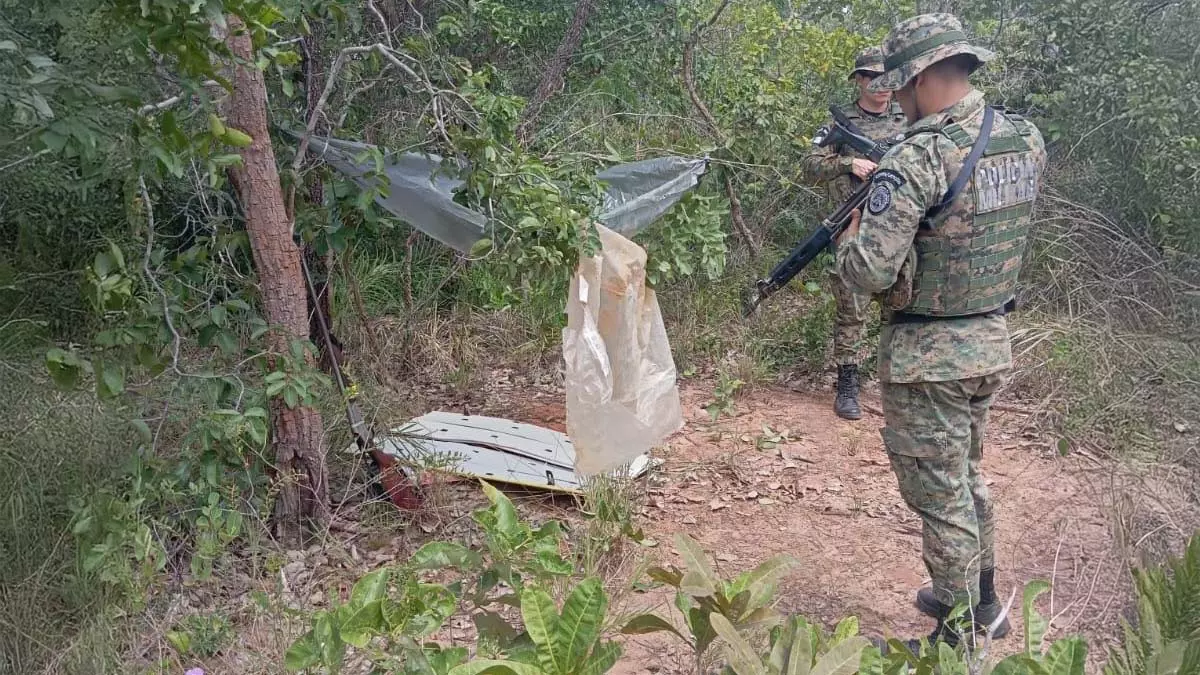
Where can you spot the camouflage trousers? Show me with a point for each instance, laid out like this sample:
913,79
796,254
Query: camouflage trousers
851,322
934,439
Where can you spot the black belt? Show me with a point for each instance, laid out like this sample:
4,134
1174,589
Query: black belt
906,317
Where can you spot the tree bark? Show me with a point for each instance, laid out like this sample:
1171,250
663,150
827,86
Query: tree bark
552,79
689,84
301,473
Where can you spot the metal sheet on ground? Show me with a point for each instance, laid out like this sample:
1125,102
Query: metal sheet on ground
495,449
535,442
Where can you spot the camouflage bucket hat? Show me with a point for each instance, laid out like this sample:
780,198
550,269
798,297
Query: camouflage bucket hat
919,42
868,62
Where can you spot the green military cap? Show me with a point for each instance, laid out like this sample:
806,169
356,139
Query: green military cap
868,62
919,42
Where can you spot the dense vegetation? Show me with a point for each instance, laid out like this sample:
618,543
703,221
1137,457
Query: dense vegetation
156,366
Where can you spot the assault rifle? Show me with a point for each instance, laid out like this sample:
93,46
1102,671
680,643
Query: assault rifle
841,132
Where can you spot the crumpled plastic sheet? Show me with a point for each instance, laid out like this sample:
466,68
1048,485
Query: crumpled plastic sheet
622,398
420,191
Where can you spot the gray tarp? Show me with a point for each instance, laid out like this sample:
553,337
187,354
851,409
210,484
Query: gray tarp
636,195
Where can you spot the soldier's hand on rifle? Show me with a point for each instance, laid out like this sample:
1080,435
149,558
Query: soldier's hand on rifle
863,168
851,230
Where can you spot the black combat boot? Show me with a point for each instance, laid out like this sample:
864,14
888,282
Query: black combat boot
846,403
986,612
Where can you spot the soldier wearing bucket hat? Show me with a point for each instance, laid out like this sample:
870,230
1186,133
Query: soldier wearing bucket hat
942,235
840,169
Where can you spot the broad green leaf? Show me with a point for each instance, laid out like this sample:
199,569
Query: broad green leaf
848,627
799,659
697,584
437,555
362,623
111,380
372,586
648,623
765,575
64,367
1018,664
740,654
1066,657
871,661
696,562
582,614
542,623
304,653
508,523
1035,624
949,662
492,667
843,658
435,604
602,659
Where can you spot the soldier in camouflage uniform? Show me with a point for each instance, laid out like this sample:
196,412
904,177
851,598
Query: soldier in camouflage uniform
841,169
948,268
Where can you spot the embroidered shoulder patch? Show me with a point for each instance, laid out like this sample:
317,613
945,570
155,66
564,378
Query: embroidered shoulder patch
879,199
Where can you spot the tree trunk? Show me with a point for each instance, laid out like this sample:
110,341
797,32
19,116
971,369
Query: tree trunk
296,432
552,79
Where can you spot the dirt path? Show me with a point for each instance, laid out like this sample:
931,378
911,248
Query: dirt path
829,499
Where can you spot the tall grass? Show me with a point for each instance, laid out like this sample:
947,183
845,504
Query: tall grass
54,448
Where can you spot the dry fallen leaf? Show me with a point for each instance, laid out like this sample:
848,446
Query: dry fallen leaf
774,486
726,557
688,520
1181,427
767,501
716,505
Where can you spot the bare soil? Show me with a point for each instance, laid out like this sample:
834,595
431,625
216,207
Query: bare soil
830,500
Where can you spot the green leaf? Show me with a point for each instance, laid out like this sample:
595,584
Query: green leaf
363,622
111,380
582,613
603,658
792,652
542,623
871,662
491,667
848,627
8,46
64,367
1035,624
373,586
303,653
437,555
1018,664
740,654
508,523
843,658
694,558
181,642
643,624
1066,657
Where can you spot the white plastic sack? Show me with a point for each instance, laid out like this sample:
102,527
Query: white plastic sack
622,398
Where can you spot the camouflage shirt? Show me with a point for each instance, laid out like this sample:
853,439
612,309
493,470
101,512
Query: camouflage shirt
921,168
831,165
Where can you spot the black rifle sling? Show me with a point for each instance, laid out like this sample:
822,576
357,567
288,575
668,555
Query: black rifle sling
964,174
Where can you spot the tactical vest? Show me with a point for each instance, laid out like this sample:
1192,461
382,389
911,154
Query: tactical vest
968,258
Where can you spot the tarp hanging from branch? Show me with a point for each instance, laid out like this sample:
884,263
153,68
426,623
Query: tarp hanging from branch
418,189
